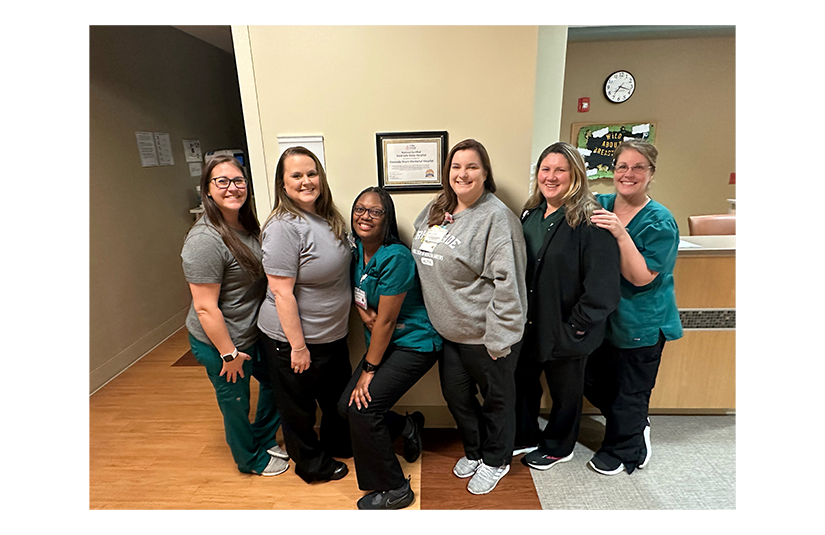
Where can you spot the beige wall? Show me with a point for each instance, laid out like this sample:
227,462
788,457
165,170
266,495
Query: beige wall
688,87
155,79
347,83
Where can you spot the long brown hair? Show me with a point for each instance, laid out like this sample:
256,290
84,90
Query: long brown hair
578,202
447,200
324,206
242,253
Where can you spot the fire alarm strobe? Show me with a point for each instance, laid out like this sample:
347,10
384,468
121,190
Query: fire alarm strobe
584,104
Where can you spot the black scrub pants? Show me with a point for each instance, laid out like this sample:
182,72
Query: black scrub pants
296,395
619,382
565,380
487,430
374,428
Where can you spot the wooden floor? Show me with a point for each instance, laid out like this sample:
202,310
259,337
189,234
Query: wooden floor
156,442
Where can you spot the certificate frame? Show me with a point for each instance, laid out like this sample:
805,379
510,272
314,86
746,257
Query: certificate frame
411,161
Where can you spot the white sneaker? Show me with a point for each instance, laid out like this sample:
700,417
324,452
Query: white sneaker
486,478
466,468
276,451
648,448
276,466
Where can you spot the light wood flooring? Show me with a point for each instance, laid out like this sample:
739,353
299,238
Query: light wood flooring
157,442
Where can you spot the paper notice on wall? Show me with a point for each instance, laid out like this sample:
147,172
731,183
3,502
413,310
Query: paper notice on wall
314,144
641,128
192,150
195,169
164,146
146,148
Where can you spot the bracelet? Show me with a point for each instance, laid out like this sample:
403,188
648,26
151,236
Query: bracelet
300,348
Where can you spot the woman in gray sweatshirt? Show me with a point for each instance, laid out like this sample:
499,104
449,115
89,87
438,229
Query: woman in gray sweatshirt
470,253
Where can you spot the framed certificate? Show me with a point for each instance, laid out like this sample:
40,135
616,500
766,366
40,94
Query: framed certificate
411,161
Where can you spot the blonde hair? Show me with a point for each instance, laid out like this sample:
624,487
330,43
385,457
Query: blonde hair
578,202
324,207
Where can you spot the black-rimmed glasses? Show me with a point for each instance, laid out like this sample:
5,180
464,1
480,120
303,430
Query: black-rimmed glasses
375,213
223,182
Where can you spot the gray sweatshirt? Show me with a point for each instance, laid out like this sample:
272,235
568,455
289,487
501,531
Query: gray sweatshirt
472,278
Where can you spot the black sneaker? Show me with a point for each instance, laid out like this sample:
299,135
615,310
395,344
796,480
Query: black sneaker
609,467
388,499
340,471
412,443
538,460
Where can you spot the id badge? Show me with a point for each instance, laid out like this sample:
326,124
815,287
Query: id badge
432,238
361,298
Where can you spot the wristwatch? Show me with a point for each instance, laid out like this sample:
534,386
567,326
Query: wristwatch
369,368
229,357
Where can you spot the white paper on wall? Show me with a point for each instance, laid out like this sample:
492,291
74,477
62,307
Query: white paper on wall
146,148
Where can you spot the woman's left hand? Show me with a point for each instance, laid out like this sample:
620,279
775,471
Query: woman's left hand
361,393
234,368
608,220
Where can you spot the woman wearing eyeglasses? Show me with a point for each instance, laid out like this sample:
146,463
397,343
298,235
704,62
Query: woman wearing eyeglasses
402,346
304,317
621,374
222,264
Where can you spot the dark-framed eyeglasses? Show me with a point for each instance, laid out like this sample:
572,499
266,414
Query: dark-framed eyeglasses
375,213
223,182
637,169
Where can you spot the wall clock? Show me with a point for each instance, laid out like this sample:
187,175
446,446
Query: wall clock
619,86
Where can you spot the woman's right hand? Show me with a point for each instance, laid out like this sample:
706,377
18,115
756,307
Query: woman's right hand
300,360
367,316
608,220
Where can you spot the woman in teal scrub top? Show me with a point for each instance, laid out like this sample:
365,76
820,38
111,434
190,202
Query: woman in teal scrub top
402,346
621,374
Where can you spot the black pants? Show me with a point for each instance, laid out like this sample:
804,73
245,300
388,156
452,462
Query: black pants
618,382
565,379
374,428
296,395
487,430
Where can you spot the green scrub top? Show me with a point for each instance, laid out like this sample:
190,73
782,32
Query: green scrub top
645,310
535,229
391,271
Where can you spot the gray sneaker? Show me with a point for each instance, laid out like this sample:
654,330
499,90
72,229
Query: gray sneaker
465,467
486,478
276,466
276,451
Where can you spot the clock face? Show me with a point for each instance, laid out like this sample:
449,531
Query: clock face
619,86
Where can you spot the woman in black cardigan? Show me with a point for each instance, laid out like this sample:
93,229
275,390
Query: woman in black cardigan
573,285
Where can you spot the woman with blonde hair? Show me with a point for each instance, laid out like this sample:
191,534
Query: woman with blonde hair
222,264
573,285
304,318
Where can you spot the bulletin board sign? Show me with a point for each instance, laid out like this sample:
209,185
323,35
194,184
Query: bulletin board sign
596,143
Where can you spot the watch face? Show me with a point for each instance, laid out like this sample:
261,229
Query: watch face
619,86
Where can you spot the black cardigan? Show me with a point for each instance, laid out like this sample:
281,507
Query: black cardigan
574,287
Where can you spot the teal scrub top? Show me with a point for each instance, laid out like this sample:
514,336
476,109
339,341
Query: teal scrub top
645,310
391,271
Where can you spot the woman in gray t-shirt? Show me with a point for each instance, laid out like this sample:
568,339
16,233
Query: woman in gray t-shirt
304,318
222,264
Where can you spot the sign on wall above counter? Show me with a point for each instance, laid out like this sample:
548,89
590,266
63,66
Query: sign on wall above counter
314,143
596,143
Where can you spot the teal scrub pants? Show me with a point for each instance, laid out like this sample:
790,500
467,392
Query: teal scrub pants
247,441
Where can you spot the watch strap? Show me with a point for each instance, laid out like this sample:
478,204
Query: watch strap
229,357
368,367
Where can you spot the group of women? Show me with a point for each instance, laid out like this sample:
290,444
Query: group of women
581,289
